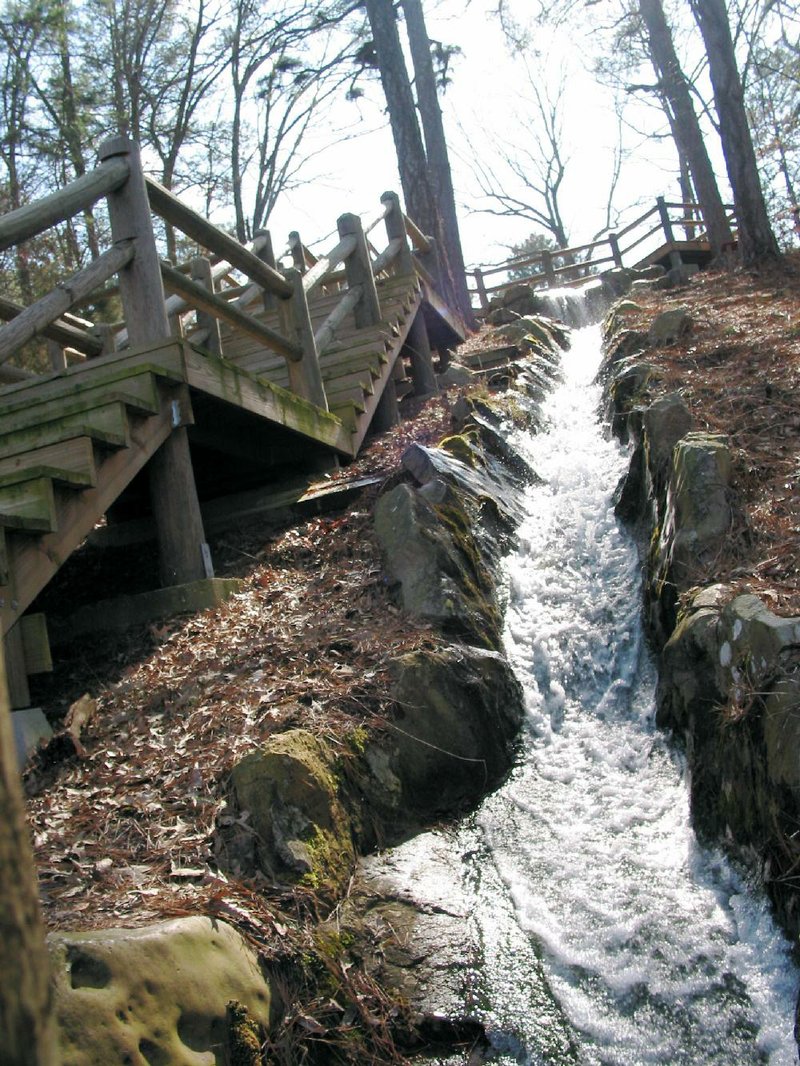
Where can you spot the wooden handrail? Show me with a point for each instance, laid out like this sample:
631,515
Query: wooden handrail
326,334
35,319
171,209
327,263
68,336
418,238
385,258
376,220
35,218
201,298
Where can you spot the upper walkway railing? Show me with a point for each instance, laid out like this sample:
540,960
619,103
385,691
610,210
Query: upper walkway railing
203,288
650,236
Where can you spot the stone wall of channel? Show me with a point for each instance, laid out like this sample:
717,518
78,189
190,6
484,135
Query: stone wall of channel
729,679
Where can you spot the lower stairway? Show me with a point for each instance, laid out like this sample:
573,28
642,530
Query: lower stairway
74,445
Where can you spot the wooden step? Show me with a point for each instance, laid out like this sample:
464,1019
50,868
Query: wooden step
107,425
350,412
30,506
166,362
75,455
139,394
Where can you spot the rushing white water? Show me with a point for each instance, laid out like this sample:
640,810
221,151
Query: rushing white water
608,936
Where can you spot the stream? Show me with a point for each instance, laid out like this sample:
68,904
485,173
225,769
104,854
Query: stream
601,933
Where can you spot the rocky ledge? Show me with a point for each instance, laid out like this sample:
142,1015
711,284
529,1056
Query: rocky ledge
303,806
728,685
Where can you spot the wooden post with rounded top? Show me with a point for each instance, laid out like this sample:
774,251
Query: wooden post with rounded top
183,553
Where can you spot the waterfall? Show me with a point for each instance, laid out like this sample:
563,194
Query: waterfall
603,933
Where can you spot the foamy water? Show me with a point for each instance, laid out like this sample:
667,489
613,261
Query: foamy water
607,935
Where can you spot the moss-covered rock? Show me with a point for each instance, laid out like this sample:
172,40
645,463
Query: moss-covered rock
452,737
290,790
431,553
155,995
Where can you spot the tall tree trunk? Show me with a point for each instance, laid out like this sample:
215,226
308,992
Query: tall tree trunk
756,239
436,151
411,159
27,1029
686,125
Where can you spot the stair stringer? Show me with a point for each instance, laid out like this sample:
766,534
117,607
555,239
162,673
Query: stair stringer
32,561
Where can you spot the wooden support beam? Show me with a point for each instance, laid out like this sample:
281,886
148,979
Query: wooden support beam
396,230
19,694
387,413
666,225
419,348
481,287
201,274
173,493
305,378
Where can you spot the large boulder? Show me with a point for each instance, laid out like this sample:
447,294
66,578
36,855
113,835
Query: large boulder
301,831
159,994
431,552
451,739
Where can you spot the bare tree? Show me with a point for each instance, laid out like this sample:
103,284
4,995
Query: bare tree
756,238
527,184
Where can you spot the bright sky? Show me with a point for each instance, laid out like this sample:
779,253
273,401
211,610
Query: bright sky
486,97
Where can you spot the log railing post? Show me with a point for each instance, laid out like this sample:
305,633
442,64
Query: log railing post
396,228
305,376
183,552
358,271
480,284
549,271
201,273
674,255
266,252
613,242
296,248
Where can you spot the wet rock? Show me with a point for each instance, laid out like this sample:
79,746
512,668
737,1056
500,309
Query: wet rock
156,994
669,327
452,738
430,550
455,374
729,688
290,790
664,423
695,524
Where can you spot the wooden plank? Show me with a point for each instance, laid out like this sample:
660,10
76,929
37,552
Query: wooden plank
35,644
107,425
29,506
34,563
72,478
164,359
139,394
75,455
226,382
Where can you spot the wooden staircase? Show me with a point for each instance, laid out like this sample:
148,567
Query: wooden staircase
356,368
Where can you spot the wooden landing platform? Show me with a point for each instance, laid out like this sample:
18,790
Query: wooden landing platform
697,252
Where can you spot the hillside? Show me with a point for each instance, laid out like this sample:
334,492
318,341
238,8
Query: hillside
124,826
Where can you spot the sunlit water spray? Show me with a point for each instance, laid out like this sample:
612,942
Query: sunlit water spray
607,935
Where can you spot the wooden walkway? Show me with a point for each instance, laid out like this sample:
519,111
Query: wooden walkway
238,385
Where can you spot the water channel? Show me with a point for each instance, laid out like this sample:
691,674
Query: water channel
603,934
